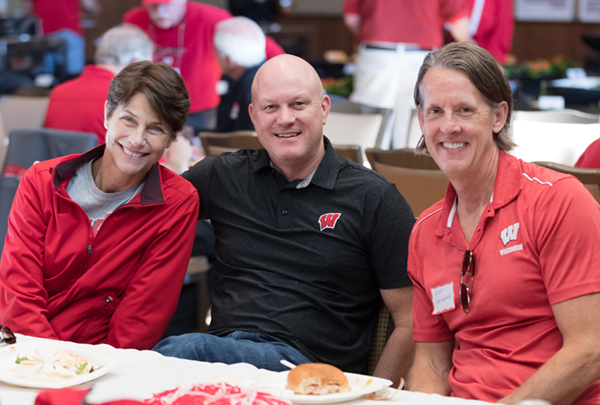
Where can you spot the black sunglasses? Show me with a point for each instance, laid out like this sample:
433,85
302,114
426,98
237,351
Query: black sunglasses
7,336
467,279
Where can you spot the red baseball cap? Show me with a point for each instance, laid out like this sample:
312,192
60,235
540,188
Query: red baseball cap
146,2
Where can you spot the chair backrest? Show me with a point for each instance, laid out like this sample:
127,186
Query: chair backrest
383,330
25,147
22,112
401,157
590,178
416,177
414,130
348,123
350,152
215,143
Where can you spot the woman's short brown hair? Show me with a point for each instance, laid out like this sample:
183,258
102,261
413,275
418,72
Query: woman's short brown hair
163,87
483,71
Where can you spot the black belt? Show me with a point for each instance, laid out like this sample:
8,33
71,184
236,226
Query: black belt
392,48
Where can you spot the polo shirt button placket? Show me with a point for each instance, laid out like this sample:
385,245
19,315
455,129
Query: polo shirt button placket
284,212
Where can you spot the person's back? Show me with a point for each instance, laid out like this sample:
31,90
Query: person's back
78,104
240,48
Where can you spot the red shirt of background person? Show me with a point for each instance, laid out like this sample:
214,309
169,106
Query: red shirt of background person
183,33
78,104
492,25
409,22
590,158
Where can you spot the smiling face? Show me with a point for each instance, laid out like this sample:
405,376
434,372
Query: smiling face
135,140
166,15
289,110
458,124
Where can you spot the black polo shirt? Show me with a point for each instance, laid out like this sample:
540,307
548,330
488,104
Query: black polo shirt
303,265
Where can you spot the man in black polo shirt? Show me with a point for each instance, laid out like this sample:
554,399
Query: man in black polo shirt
307,242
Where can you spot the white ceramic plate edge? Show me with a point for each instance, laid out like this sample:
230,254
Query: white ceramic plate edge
7,353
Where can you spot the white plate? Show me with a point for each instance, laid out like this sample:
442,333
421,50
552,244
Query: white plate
360,384
25,376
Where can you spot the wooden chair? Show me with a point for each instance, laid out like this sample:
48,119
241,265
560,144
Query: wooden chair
590,178
350,152
417,178
215,143
401,157
383,330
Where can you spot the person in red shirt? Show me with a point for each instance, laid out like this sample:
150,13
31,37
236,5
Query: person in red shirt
78,104
492,25
505,267
590,158
394,38
183,32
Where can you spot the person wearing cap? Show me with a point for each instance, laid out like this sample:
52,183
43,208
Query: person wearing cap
183,32
394,38
78,104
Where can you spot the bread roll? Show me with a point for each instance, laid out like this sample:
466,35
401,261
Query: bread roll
317,379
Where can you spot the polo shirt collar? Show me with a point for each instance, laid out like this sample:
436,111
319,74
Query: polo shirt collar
507,187
152,192
326,173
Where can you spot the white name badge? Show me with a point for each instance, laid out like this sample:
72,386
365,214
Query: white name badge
443,298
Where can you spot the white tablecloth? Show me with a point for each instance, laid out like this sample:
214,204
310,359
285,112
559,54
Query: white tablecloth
140,374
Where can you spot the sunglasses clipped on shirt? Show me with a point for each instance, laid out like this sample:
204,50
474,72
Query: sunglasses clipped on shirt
7,336
467,278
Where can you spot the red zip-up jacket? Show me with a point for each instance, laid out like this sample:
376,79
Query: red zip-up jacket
120,287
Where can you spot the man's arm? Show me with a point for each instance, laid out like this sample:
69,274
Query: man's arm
459,29
432,365
23,296
398,354
352,21
576,365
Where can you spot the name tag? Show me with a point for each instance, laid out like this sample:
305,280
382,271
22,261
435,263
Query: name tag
443,298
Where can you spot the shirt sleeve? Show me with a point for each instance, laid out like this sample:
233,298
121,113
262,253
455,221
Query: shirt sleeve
351,7
150,299
567,231
454,10
23,298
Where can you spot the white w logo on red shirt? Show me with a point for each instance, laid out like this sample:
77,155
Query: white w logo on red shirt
328,220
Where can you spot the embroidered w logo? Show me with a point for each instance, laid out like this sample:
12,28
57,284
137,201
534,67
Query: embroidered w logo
509,233
328,220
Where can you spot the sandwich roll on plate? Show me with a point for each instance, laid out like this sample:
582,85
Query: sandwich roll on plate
317,379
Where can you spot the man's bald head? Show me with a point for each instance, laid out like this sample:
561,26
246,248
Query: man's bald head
289,109
288,67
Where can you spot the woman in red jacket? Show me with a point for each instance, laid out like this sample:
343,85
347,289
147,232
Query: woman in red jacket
98,243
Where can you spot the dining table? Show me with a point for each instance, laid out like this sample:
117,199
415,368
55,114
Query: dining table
142,374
